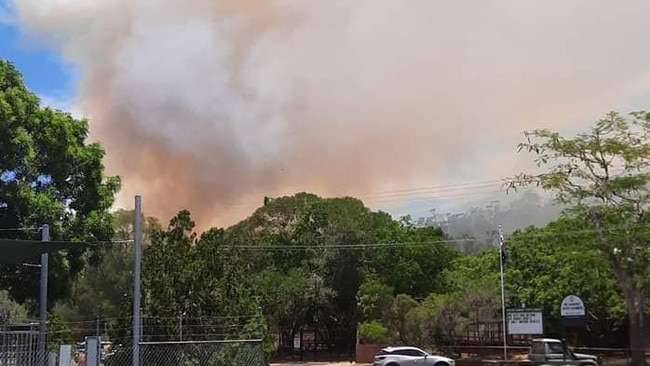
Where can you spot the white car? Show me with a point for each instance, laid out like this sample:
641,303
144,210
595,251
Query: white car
402,356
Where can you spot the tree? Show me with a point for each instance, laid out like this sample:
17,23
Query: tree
303,259
604,173
49,175
169,268
105,289
374,299
475,287
542,268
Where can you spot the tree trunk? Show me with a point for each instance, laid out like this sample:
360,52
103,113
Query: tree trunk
635,298
636,307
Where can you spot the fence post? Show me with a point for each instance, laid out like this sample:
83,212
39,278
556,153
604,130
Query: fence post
65,351
42,311
260,325
5,339
137,257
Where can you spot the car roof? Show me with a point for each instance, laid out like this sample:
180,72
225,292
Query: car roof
548,340
401,348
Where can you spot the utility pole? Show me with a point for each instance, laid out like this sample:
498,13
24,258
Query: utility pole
42,331
502,249
137,252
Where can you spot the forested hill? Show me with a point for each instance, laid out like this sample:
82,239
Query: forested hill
332,263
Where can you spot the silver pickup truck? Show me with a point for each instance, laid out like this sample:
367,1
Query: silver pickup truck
549,351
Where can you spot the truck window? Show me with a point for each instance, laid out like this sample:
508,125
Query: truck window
555,347
537,348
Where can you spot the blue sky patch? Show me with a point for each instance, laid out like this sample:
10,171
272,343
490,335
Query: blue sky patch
44,71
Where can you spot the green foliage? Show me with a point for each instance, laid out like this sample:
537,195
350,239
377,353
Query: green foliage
49,176
547,264
60,332
169,272
306,260
105,289
374,299
373,332
604,173
400,316
11,309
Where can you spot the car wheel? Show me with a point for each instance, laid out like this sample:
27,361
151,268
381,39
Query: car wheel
392,364
441,363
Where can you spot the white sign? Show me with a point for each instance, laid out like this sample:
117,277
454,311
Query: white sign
528,321
572,306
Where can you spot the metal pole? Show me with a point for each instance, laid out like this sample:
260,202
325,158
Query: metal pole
503,296
260,320
42,333
180,325
137,228
5,340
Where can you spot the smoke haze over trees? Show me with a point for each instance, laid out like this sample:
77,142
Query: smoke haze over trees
479,224
309,262
211,104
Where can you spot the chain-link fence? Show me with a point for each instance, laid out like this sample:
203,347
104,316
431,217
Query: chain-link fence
19,347
192,353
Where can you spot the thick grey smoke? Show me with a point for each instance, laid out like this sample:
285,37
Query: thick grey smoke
479,224
211,104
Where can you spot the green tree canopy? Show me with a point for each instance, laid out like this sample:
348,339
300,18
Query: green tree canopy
48,175
306,260
604,173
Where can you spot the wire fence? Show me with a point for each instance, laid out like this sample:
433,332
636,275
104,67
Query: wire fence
248,352
186,341
10,357
20,347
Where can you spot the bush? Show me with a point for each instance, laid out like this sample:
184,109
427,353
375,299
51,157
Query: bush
373,332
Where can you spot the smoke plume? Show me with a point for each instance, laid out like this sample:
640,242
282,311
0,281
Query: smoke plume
212,104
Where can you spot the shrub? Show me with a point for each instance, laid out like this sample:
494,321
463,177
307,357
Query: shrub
373,332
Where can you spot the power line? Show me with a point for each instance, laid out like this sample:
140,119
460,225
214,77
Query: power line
21,229
345,246
439,188
433,195
469,188
518,236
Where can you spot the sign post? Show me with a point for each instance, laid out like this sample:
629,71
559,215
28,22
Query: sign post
572,306
525,321
572,314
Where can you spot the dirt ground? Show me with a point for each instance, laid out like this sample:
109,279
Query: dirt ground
607,362
320,364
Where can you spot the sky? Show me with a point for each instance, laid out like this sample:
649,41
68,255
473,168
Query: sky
44,70
213,104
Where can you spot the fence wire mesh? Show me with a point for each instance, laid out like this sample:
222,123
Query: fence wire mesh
198,353
20,348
